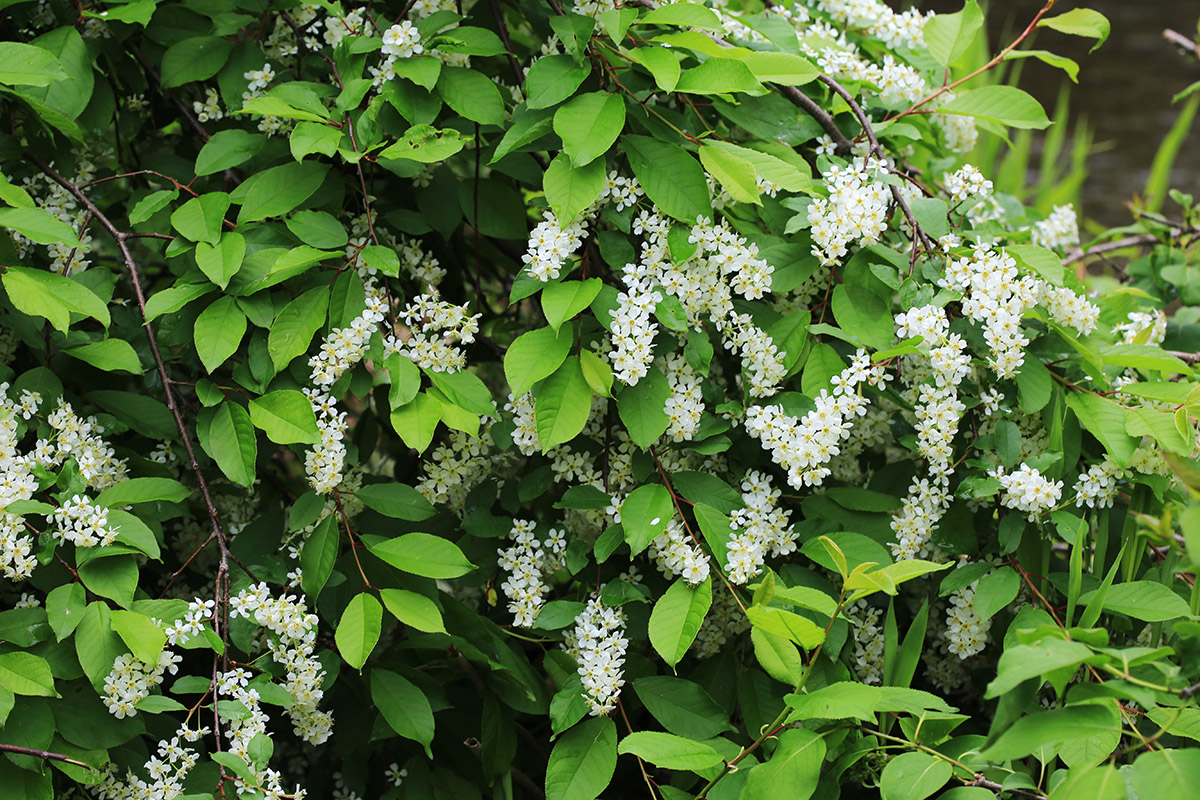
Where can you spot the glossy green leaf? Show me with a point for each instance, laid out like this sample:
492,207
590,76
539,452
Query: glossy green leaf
218,332
589,125
358,629
423,554
676,618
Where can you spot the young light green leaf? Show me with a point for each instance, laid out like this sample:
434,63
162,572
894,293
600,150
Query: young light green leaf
414,610
676,618
670,177
720,76
44,294
661,62
218,332
227,149
793,770
423,554
641,408
569,190
358,629
28,65
563,300
596,372
786,69
1080,22
535,355
143,490
200,218
1006,105
276,191
396,500
691,15
914,776
563,405
286,416
949,35
669,751
144,637
293,329
472,94
589,124
553,79
39,225
733,172
416,420
26,674
110,355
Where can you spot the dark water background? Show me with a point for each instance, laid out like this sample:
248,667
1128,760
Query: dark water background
1124,91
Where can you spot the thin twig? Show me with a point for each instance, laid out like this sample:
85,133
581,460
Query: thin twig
506,40
1182,42
45,754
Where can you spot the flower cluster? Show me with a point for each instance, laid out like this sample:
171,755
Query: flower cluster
1026,489
966,184
345,347
324,463
675,556
399,41
855,212
526,562
685,405
633,331
598,643
868,637
923,507
83,523
1058,231
168,768
131,680
435,327
1097,488
803,446
1143,327
759,528
966,633
551,243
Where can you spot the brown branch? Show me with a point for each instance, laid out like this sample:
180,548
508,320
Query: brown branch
506,40
806,104
1182,42
1188,358
45,754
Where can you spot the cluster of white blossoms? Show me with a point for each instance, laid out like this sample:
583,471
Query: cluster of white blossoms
598,644
685,405
761,527
966,633
167,768
325,462
435,330
633,330
524,435
455,467
923,507
675,556
895,29
419,264
1143,327
345,347
191,623
402,40
82,523
338,28
937,406
856,210
526,561
551,243
730,257
1027,490
966,184
867,632
1068,308
622,192
130,681
1058,231
1097,488
240,732
291,639
804,446
79,438
996,296
208,109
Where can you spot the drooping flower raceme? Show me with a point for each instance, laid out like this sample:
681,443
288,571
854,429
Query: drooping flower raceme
598,643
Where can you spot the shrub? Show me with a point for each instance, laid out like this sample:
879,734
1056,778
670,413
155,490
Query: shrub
433,399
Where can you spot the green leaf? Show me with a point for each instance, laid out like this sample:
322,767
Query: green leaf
396,500
1080,22
596,372
321,229
44,294
1034,386
682,707
525,128
423,554
110,355
1104,419
318,556
563,405
793,770
28,65
227,149
645,514
669,751
200,218
995,591
65,605
96,645
271,106
421,70
733,172
533,356
1067,65
143,490
194,59
404,707
786,69
233,444
671,178
661,62
1024,662
569,190
1028,734
113,576
691,15
948,36
676,618
151,204
1166,773
278,190
719,76
864,314
414,610
286,416
787,624
582,761
553,79
589,125
1143,357
314,137
472,95
564,300
358,629
172,299
842,700
38,224
221,261
293,329
416,421
778,656
1006,105
1148,601
914,776
218,332
26,674
641,408
144,637
426,144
